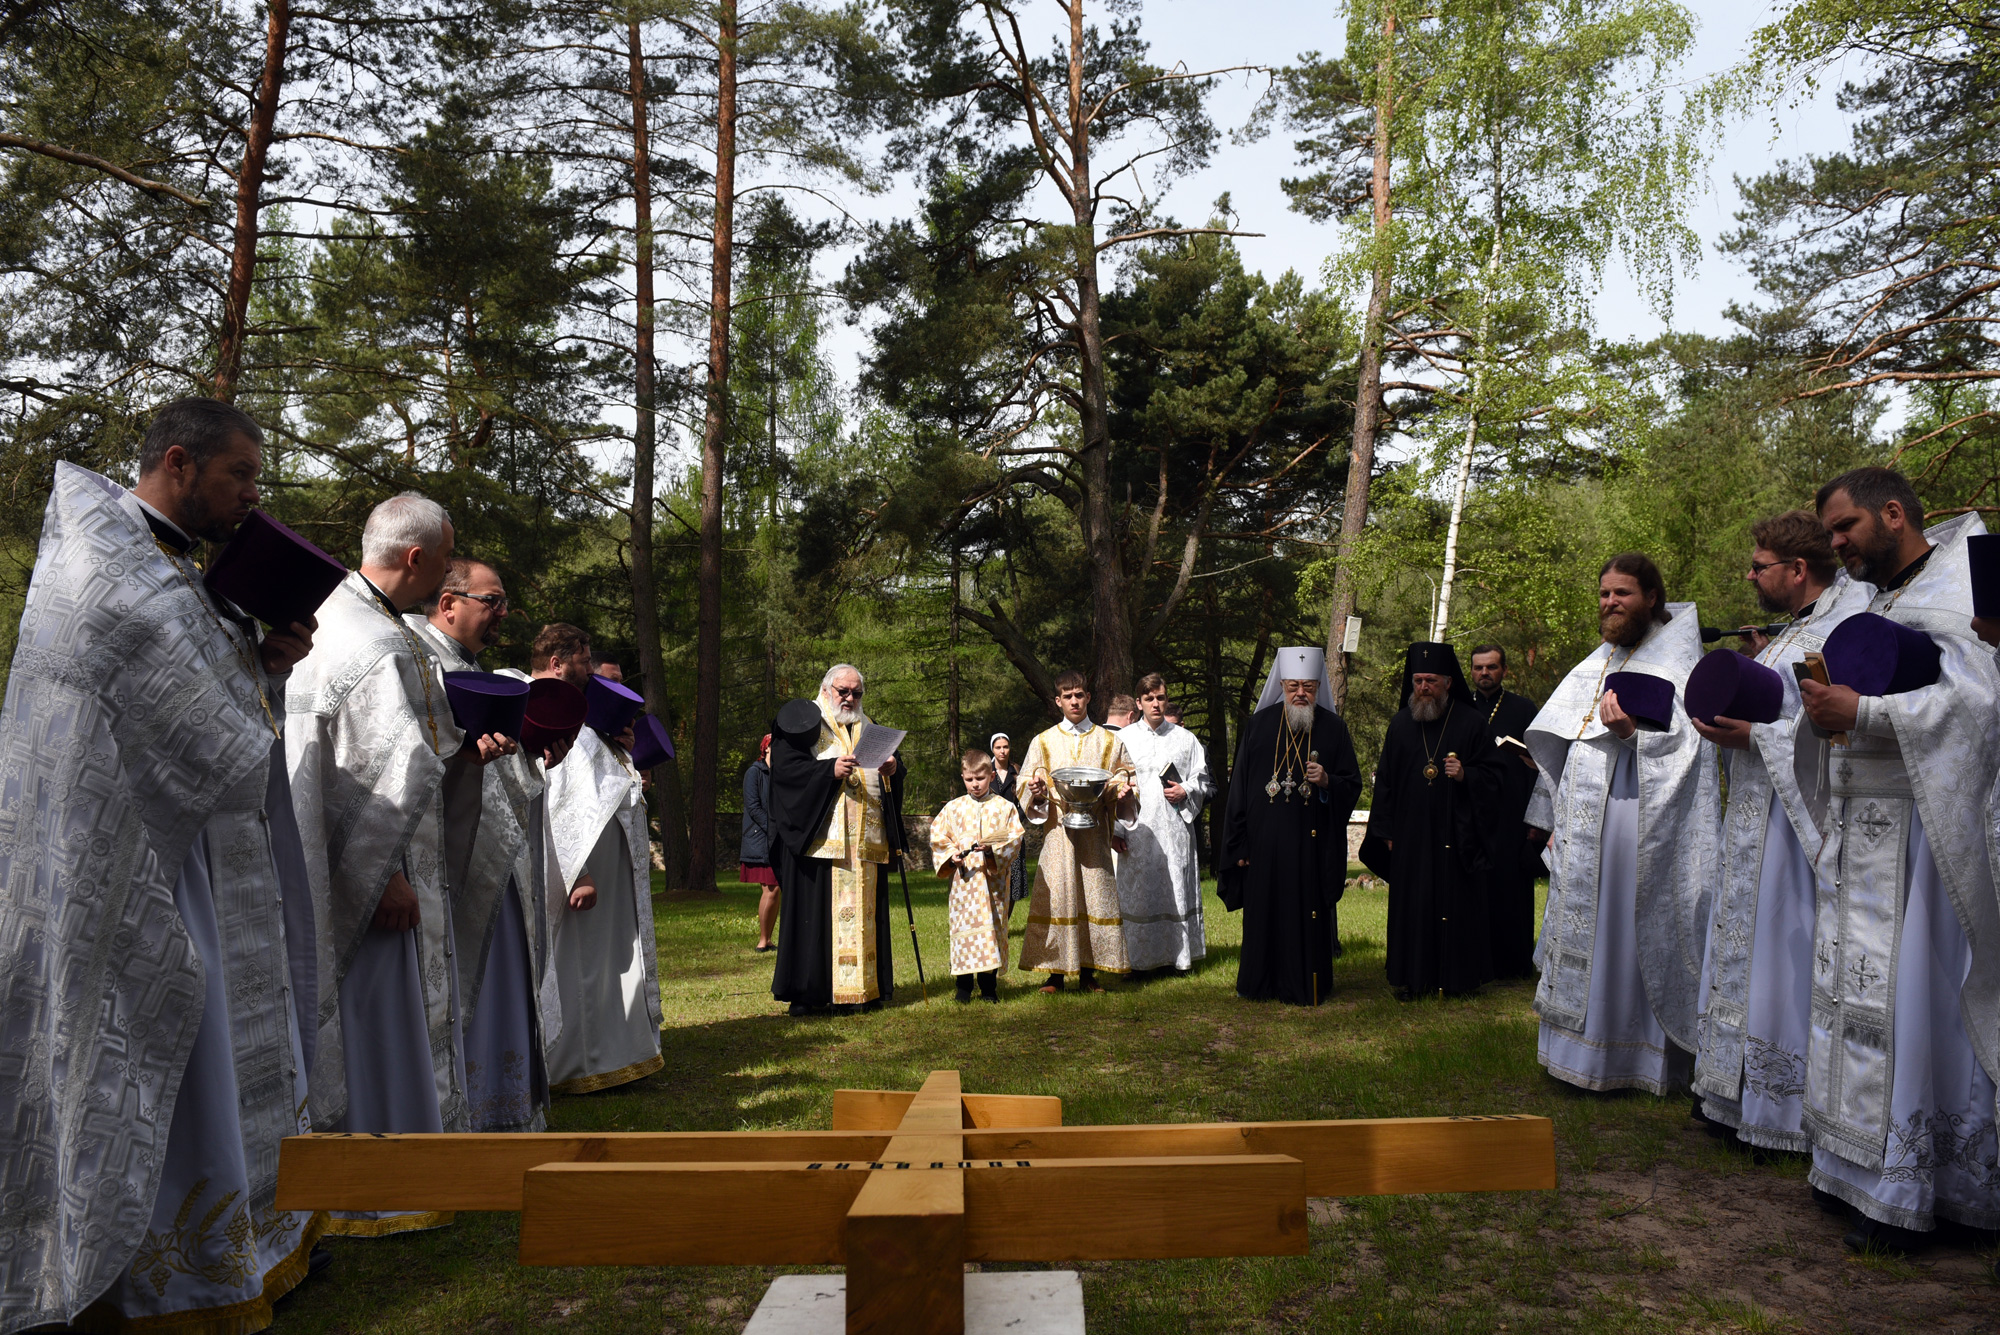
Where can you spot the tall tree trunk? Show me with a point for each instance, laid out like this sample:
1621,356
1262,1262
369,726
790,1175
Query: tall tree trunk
708,584
952,748
770,542
249,192
1220,757
1368,389
645,399
1111,626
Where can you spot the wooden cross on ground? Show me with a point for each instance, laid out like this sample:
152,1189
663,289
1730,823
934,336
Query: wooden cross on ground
906,1188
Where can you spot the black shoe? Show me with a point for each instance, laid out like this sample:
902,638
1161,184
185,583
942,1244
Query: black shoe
993,997
801,1009
1829,1202
963,996
1720,1130
1872,1235
874,1005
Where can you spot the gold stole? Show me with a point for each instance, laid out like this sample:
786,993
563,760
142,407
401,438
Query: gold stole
855,842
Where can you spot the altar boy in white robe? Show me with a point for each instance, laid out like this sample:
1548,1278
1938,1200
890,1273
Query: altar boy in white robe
369,737
604,959
1750,1062
150,1058
1159,874
1905,1042
1635,815
499,878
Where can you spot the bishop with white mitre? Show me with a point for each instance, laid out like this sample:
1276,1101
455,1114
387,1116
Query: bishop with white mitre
150,1055
1629,792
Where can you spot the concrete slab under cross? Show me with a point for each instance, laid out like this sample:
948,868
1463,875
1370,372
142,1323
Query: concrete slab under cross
908,1186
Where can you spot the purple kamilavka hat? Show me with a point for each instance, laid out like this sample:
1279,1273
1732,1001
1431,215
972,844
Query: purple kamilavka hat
1877,656
650,744
1728,684
1647,698
612,706
555,713
483,702
274,574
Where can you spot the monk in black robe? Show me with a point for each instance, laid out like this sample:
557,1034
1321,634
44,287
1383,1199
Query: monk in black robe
1436,788
803,791
1284,837
1511,898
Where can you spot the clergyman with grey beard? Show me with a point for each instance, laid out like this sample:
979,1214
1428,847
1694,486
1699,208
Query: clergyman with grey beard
1283,860
1433,827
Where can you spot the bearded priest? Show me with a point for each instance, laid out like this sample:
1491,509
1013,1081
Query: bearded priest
150,1054
499,876
369,737
1904,1047
1756,1007
1630,794
1433,829
837,826
1283,859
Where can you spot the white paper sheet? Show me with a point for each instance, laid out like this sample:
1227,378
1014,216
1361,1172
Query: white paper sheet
876,744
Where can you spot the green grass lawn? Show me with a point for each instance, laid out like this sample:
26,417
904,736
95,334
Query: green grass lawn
1655,1227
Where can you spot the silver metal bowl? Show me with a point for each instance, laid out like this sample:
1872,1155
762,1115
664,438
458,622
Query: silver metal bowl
1081,787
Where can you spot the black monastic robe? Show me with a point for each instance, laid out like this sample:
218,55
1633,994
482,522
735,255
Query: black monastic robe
1512,896
1442,831
803,791
1296,848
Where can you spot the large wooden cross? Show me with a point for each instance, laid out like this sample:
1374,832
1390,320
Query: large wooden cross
906,1188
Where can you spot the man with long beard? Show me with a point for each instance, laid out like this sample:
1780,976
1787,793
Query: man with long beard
1749,1068
1904,1045
1634,817
835,826
1431,830
1284,834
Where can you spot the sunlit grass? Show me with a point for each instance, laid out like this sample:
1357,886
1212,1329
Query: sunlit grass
1160,1050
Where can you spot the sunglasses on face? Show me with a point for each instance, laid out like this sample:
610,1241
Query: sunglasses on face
495,602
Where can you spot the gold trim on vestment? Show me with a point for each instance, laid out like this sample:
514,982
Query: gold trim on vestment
1071,922
1093,968
624,1075
238,1318
389,1226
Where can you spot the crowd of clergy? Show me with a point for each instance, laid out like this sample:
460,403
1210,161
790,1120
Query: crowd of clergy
278,853
332,875
1770,869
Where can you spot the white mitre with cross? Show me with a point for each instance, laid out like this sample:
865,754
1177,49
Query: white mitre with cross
1298,663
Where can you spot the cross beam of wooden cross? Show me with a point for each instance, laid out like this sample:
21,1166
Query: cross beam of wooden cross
907,1187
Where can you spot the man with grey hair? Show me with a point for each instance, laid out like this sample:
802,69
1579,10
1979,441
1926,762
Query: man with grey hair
836,826
369,740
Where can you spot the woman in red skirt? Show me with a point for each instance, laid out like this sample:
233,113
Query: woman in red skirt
754,853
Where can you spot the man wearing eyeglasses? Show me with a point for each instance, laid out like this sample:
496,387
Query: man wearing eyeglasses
496,886
1755,1010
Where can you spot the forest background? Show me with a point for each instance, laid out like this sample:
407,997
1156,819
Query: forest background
580,271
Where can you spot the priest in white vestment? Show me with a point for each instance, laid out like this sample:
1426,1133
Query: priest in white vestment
150,1055
1751,1027
496,860
604,958
1905,1039
369,737
1159,873
1635,816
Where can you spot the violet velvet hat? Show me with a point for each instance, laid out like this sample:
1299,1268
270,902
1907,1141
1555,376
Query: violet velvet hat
650,744
612,706
483,702
1982,553
555,712
1733,685
1648,699
273,574
1877,656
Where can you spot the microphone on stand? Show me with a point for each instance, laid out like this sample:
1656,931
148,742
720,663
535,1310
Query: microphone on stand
1710,634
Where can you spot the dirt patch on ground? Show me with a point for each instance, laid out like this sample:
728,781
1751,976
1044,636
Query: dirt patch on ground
1751,1251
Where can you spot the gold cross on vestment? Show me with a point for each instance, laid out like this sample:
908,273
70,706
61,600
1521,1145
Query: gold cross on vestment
907,1187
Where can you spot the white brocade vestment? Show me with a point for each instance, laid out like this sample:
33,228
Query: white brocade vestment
1750,1058
605,959
368,736
1159,874
987,833
149,1060
1905,1023
1635,828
